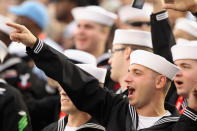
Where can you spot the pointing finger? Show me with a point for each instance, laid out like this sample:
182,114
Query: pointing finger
16,26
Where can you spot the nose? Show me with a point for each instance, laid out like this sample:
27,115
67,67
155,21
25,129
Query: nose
179,73
62,92
110,60
128,78
79,30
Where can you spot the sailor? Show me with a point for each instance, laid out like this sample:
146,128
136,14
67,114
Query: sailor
13,110
126,41
76,119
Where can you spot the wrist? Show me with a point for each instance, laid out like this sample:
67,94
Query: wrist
158,6
34,42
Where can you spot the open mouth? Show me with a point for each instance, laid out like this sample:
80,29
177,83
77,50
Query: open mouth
178,83
81,39
131,91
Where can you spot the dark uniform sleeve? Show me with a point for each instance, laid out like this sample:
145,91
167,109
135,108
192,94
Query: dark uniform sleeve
82,88
13,111
163,40
162,35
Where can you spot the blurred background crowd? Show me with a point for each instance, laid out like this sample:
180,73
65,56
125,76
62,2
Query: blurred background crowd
57,23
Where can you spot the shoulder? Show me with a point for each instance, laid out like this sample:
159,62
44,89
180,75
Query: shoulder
92,125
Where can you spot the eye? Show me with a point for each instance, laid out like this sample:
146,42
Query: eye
137,72
186,67
89,27
78,25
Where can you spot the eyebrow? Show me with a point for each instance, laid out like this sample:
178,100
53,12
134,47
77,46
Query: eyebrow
182,64
137,70
134,70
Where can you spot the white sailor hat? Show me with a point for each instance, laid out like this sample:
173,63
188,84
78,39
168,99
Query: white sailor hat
127,13
94,13
3,27
184,49
154,62
98,73
80,56
3,51
186,25
133,37
18,49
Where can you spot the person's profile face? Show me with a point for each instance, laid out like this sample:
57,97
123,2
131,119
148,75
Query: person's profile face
185,79
67,105
140,85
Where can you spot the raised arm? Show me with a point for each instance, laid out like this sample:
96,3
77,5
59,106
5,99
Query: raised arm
82,88
161,31
183,5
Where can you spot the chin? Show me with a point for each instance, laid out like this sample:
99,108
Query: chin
65,110
79,47
132,103
181,93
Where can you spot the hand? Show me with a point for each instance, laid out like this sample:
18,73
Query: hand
183,5
22,34
192,101
53,83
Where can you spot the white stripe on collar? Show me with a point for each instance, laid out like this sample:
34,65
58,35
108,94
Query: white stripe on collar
133,114
190,114
61,126
166,119
2,81
92,125
184,104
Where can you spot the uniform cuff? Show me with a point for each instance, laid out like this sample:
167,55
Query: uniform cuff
159,16
37,47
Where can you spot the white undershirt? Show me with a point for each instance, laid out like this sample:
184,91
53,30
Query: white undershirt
145,122
68,128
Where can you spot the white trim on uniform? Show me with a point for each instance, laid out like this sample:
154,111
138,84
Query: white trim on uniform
190,114
162,16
